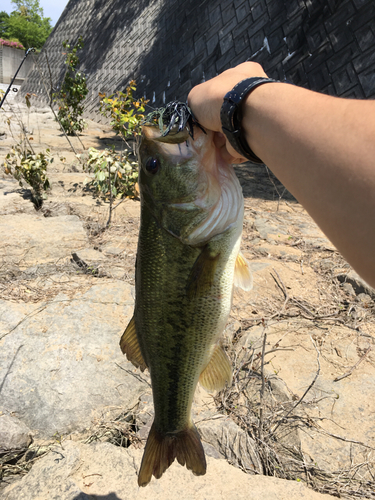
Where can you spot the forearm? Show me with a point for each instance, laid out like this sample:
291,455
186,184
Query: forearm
323,150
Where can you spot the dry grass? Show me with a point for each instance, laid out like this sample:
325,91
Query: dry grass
120,430
274,419
19,462
43,282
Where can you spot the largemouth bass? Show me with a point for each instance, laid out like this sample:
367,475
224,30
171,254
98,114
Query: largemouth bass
187,261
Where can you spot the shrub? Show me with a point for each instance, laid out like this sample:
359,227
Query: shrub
72,93
10,43
125,111
113,173
26,166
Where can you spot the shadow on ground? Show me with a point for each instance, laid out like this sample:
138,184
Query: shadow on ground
258,181
110,496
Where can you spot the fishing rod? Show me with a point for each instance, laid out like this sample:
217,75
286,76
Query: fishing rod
11,83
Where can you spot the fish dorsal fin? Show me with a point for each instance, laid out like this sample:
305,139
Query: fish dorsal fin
218,372
242,274
130,346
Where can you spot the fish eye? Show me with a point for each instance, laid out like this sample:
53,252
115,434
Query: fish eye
152,165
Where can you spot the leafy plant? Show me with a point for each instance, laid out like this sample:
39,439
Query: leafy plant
114,174
125,111
26,166
72,93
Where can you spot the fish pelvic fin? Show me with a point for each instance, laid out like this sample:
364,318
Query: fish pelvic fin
242,274
161,450
130,346
218,372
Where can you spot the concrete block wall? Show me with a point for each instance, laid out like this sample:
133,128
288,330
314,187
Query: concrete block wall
10,59
168,46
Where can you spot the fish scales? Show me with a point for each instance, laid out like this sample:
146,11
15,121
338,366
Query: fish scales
180,328
187,261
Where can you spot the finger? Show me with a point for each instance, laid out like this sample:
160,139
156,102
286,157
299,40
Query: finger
229,156
219,139
205,103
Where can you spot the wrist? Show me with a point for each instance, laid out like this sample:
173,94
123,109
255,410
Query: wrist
261,109
232,113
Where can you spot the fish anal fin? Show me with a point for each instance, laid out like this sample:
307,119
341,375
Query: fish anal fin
130,346
218,372
162,449
203,271
242,274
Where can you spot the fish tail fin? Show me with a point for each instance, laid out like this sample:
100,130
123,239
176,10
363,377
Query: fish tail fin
162,449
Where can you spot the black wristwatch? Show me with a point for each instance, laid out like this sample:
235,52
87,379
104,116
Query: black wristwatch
231,115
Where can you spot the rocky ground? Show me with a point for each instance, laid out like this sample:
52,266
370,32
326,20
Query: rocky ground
75,414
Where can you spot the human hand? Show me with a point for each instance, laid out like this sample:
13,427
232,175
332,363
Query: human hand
205,101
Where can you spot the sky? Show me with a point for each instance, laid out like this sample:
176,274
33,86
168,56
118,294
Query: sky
52,9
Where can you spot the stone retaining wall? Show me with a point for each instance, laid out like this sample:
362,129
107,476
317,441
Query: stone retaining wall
168,46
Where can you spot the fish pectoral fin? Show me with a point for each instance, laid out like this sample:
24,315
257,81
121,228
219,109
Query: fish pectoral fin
130,346
242,274
218,372
203,272
161,450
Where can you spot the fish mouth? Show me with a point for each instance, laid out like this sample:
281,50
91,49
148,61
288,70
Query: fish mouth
174,146
174,136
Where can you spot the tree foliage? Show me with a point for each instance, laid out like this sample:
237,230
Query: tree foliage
26,24
4,16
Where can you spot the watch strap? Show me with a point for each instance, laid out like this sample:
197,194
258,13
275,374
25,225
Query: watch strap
231,115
